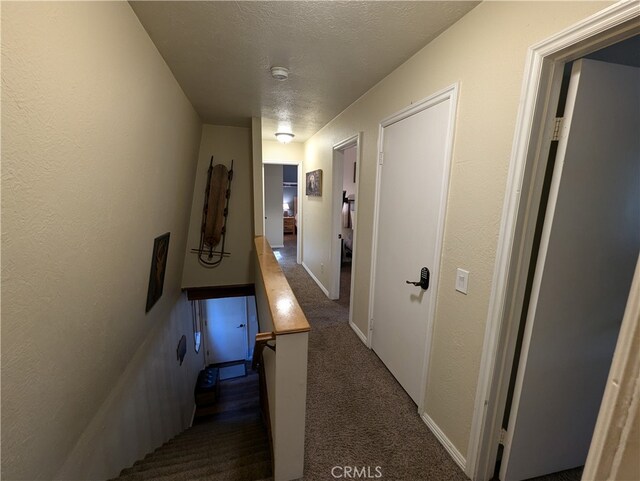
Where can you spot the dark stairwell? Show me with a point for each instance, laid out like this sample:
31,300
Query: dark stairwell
228,441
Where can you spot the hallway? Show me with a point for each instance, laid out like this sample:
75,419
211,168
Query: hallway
357,414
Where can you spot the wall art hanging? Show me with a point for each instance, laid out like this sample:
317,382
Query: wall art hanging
215,213
314,183
158,267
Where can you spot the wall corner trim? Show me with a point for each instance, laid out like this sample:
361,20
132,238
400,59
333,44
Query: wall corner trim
359,333
444,440
317,281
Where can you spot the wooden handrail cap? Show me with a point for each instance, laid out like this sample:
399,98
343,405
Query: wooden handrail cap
286,313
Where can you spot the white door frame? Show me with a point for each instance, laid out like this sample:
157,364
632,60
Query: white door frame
449,93
336,209
620,406
534,127
299,220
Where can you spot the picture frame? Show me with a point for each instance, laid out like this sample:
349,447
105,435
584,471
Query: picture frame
314,183
158,268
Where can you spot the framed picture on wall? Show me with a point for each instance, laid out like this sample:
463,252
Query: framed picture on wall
158,266
314,183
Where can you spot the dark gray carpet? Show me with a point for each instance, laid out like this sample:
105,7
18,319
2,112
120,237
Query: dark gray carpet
229,443
568,475
357,414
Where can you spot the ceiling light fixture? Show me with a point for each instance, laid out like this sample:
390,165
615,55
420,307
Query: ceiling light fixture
284,137
280,73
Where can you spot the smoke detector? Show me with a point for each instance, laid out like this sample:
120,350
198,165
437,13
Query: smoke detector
280,73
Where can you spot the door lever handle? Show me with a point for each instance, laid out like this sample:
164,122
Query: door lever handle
423,283
241,325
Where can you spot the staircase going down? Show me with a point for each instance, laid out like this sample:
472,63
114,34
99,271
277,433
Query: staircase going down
228,441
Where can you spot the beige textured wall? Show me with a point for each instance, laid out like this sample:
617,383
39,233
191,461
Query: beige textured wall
485,51
256,162
151,402
99,148
224,143
272,150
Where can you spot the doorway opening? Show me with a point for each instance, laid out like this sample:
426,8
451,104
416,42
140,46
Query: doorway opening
227,388
344,193
586,225
225,328
551,199
282,210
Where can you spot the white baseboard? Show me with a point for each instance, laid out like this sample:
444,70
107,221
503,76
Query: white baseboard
444,440
324,289
279,246
357,330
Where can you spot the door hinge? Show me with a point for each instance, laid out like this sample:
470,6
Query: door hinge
371,324
381,157
503,436
556,128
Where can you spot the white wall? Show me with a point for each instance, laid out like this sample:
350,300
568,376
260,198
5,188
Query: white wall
484,51
99,148
274,151
273,212
224,143
256,163
151,402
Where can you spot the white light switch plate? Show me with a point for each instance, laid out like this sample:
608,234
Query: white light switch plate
462,280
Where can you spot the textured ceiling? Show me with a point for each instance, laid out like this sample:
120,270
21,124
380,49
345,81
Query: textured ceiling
221,53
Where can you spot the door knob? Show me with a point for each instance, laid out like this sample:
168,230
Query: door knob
240,326
424,279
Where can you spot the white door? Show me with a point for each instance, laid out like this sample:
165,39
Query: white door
226,328
413,180
273,211
588,250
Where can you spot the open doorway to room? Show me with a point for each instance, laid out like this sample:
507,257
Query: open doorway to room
344,200
290,211
225,328
589,231
572,248
281,208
